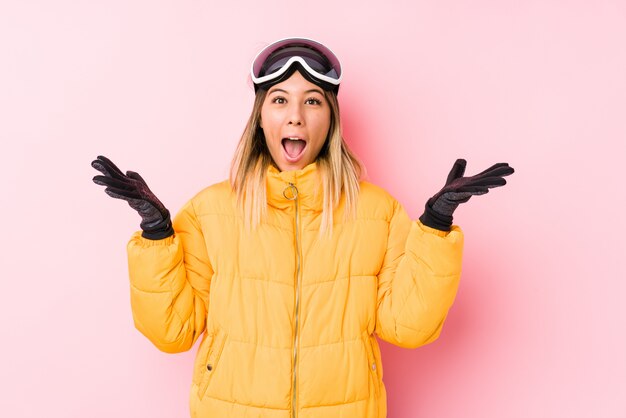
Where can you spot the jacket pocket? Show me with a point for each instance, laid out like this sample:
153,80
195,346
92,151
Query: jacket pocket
200,362
372,365
212,359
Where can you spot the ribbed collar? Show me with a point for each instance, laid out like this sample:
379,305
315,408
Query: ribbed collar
307,181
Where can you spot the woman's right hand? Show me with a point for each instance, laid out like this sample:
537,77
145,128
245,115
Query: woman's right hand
155,218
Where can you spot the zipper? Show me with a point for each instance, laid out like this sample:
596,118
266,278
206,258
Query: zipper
294,196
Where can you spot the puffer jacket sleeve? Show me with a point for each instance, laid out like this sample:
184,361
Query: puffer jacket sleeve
169,284
418,281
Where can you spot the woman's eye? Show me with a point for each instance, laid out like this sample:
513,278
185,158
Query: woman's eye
311,100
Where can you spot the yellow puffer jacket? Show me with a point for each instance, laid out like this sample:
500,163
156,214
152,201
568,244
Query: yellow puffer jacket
288,318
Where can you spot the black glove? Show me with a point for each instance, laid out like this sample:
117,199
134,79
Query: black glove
132,188
459,189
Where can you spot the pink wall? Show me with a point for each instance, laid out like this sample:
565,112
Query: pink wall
538,327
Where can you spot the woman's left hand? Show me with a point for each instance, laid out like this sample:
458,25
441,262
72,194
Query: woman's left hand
459,189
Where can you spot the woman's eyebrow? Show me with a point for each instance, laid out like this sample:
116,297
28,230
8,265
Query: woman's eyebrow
274,90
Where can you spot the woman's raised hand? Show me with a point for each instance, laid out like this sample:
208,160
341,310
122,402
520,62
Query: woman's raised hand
155,218
459,189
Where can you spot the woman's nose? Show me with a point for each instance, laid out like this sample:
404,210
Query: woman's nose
295,115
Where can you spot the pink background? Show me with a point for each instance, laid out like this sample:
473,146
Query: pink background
160,87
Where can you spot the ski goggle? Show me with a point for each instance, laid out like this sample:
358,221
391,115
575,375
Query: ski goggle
277,61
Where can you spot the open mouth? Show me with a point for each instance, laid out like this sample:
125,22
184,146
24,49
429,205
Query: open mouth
294,147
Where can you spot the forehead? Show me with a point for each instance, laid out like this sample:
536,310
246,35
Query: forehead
296,83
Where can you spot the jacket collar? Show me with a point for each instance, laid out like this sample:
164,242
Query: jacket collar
307,181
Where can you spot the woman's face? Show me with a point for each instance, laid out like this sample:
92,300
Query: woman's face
295,118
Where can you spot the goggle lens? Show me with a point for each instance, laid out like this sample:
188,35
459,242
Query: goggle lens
277,60
318,61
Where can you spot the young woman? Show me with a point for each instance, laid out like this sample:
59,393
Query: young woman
289,270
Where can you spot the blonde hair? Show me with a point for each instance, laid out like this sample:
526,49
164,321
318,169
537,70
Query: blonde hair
340,170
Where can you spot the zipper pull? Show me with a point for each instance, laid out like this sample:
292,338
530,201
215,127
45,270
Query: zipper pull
290,192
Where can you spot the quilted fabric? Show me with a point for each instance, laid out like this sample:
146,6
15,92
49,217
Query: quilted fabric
287,318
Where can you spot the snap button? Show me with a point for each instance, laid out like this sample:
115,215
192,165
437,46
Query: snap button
209,367
374,366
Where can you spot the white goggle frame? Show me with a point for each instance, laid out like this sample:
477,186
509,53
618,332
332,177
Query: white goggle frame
301,61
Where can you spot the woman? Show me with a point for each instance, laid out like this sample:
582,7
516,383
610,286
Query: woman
288,270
